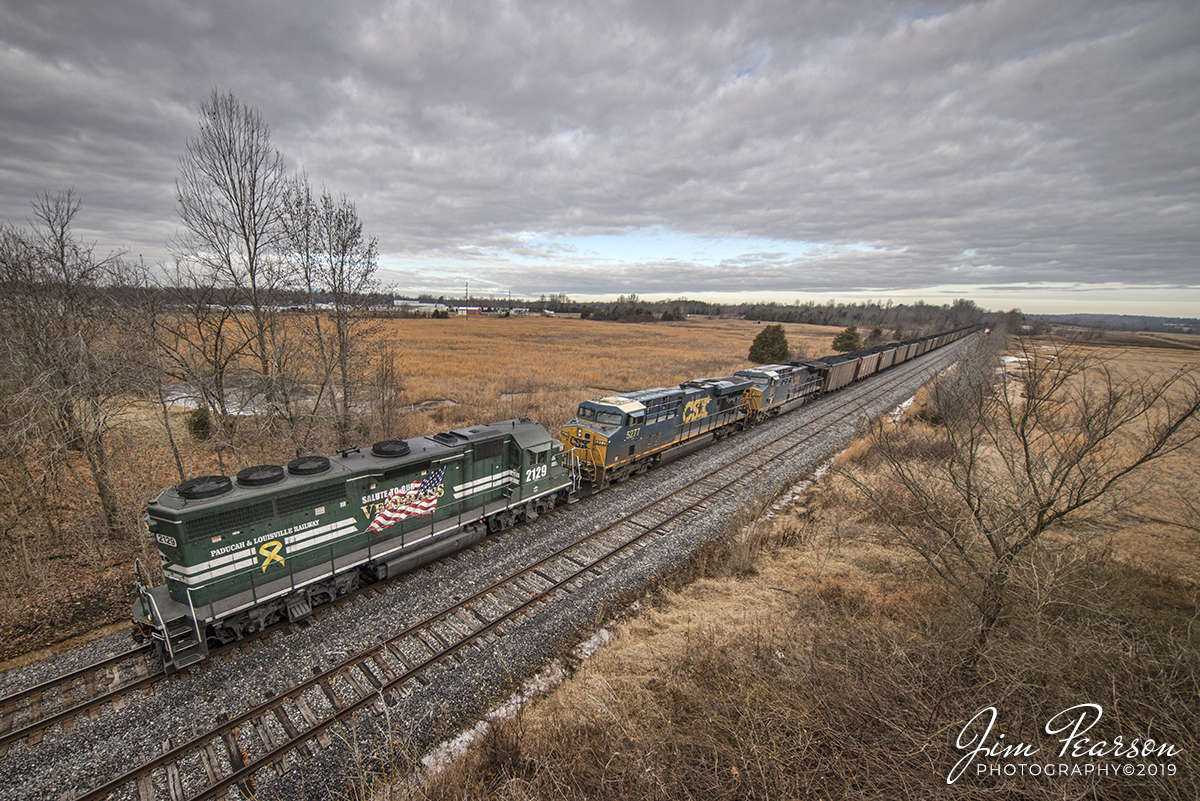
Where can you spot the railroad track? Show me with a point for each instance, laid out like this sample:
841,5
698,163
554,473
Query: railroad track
26,713
292,725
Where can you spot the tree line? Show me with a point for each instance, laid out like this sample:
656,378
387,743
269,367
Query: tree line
895,321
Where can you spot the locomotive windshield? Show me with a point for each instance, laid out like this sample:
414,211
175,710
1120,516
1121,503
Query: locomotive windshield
606,418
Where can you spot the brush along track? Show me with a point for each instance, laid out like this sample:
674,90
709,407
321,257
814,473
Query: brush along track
300,721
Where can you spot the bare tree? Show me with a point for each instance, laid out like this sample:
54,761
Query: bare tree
348,275
230,193
305,247
1016,453
64,343
199,342
336,264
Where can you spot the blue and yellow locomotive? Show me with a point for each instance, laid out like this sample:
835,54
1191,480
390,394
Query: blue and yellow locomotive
610,439
780,388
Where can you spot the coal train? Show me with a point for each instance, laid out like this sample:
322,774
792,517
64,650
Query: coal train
269,544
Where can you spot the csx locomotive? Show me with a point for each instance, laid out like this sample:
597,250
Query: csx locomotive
612,438
241,553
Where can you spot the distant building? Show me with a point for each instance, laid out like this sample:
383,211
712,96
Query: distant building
420,309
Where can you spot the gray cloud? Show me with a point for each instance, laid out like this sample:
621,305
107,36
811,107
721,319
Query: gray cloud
992,143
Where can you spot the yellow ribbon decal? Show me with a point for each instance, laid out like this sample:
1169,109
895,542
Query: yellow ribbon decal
270,553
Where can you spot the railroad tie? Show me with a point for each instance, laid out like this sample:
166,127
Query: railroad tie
212,766
383,666
395,651
332,697
174,783
355,682
145,785
281,715
268,739
312,720
35,714
441,640
238,760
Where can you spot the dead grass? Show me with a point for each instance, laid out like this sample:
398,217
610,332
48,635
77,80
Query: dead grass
836,671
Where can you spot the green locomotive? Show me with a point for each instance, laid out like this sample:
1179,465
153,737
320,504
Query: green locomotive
273,542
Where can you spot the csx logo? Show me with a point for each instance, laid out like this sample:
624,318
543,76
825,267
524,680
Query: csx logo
694,410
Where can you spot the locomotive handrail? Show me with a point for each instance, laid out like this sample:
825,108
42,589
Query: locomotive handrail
163,623
195,623
137,580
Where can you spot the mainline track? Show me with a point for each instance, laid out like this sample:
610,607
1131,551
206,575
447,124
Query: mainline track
296,722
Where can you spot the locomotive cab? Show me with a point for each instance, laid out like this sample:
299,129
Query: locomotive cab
612,438
591,437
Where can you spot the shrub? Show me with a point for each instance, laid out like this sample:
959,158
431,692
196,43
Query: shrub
199,424
770,346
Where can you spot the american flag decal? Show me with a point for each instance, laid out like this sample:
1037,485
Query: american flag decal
417,499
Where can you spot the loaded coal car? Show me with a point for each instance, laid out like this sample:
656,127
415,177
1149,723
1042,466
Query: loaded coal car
779,388
836,371
270,544
611,438
868,363
887,355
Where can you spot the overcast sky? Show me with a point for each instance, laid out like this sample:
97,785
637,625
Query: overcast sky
1042,154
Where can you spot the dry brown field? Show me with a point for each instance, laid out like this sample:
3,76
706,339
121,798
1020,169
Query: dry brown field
541,368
